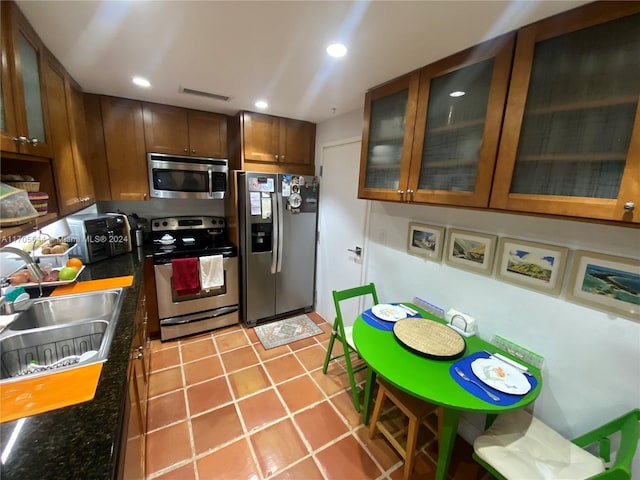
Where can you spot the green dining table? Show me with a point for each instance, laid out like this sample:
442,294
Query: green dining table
428,379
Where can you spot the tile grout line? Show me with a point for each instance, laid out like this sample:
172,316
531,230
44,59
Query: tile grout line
308,371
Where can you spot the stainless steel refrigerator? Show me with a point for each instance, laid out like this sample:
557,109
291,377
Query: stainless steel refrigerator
277,219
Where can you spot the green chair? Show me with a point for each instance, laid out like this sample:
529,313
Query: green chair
519,446
345,336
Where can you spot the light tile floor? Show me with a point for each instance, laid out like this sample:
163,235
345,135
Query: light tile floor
223,407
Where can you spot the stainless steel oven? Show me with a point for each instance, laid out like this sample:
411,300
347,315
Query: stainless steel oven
193,237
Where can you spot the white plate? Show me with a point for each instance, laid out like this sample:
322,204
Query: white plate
390,313
53,284
500,375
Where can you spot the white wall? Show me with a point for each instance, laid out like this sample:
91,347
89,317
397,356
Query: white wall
592,358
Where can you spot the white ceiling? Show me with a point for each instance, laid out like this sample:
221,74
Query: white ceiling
264,49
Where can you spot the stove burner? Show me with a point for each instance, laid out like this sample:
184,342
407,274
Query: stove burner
186,237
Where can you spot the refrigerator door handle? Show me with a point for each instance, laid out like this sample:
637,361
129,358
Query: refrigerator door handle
280,230
276,232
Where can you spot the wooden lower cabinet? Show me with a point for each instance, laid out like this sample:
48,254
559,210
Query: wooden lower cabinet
125,148
131,465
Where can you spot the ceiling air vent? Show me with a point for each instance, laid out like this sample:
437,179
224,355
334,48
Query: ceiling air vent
214,96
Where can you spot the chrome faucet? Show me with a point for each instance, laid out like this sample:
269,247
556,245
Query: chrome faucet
32,266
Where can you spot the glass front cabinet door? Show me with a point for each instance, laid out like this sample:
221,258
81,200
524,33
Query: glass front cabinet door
432,136
389,119
460,109
571,137
24,118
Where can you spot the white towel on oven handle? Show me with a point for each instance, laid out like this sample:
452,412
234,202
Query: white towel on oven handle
211,272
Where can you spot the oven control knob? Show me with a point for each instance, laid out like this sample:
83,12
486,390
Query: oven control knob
156,224
164,224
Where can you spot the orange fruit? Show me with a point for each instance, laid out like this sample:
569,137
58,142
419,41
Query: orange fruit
74,263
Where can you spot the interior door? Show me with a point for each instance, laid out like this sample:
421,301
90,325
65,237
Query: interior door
342,224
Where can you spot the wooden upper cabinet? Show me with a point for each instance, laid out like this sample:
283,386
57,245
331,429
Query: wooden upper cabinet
96,149
63,161
389,120
207,134
297,140
125,148
73,179
261,137
166,129
80,146
266,138
432,136
24,122
460,108
180,131
571,136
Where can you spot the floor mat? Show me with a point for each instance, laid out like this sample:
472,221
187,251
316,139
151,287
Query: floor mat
285,331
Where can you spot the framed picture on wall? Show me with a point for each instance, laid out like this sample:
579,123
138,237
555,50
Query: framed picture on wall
530,264
471,250
606,282
425,241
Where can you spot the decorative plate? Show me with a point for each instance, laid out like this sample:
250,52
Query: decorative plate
500,375
390,313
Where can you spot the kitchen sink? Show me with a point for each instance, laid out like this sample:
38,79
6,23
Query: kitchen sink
55,331
51,311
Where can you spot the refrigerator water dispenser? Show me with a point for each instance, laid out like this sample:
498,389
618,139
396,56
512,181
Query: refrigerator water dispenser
261,237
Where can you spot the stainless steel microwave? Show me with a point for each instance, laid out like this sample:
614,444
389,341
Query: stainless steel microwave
174,176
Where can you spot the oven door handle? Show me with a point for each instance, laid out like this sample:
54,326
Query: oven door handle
276,236
210,174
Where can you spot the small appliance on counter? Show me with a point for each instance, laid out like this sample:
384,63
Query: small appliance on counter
99,236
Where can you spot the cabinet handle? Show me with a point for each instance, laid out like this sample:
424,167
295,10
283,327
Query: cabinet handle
193,151
629,206
186,150
21,139
276,156
34,141
144,196
410,192
400,192
282,157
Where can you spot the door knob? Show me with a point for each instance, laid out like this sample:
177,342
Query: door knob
357,250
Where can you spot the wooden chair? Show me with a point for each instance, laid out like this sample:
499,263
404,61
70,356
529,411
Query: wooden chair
345,336
518,446
417,410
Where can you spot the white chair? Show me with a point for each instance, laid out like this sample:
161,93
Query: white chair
519,446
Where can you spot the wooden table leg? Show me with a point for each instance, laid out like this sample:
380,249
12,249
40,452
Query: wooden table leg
368,390
447,441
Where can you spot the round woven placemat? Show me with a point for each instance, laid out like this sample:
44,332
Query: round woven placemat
429,338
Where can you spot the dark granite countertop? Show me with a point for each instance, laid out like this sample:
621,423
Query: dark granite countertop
81,441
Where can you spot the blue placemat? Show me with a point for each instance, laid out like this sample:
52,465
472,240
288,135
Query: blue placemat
464,364
380,324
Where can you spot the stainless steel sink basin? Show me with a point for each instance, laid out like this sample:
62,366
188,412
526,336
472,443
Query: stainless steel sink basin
51,311
60,328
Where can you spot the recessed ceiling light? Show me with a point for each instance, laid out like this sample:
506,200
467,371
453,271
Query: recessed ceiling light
337,50
261,104
457,93
141,82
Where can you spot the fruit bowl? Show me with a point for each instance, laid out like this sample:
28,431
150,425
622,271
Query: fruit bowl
54,283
